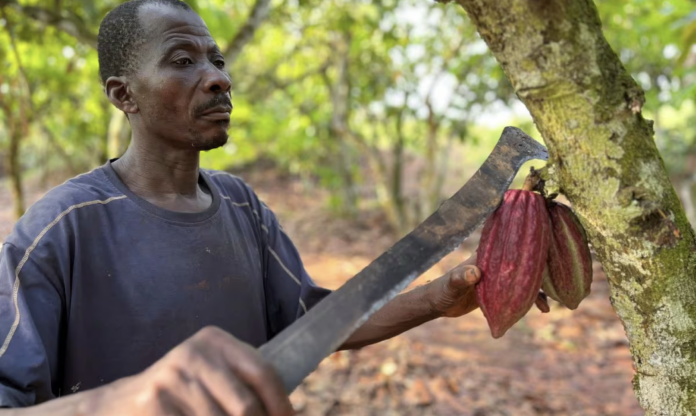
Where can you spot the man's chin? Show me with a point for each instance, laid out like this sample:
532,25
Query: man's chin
211,143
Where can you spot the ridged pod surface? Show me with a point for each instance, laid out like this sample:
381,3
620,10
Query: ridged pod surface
569,266
512,257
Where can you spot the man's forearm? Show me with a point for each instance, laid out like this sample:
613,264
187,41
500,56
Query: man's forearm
402,313
78,404
65,406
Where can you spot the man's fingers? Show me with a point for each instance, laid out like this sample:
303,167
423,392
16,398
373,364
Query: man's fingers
261,377
227,391
473,274
169,403
471,260
200,401
258,376
245,402
464,276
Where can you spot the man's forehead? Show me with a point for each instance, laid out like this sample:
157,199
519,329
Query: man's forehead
163,21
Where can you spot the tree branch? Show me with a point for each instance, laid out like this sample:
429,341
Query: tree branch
63,21
601,151
26,114
258,14
261,92
53,141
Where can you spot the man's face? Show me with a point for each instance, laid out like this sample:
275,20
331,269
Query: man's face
181,88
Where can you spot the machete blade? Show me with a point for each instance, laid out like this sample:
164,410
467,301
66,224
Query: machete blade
299,349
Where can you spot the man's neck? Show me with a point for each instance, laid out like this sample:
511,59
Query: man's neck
163,176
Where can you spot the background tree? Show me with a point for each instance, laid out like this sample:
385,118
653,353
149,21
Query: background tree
52,102
389,105
605,161
371,99
398,91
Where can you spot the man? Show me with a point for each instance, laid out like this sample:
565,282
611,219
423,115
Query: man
144,286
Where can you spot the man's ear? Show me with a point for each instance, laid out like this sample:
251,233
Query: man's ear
118,92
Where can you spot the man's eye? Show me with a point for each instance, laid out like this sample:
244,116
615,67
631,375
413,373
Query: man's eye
183,61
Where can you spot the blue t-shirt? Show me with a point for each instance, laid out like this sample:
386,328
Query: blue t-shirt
97,284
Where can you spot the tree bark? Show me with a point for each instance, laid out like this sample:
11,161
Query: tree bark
14,170
604,159
14,125
431,171
339,125
258,14
396,187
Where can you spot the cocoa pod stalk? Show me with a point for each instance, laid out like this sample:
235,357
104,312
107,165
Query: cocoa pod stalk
541,303
512,256
569,267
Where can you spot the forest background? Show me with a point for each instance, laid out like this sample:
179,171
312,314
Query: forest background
354,120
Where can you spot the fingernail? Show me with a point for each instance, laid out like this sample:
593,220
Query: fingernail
471,274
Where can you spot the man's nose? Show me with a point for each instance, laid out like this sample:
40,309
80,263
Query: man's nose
217,80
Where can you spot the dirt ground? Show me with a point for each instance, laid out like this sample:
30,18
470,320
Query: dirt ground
570,363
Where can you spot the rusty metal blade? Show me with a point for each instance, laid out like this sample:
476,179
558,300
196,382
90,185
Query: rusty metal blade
299,349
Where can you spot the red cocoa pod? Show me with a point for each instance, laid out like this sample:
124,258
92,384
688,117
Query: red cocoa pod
569,266
512,257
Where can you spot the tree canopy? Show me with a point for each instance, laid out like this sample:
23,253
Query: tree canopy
374,99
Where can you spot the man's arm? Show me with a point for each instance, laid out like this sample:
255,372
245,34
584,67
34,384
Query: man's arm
30,323
211,373
450,295
291,292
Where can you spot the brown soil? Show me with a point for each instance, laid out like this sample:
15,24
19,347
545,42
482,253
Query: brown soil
574,363
570,363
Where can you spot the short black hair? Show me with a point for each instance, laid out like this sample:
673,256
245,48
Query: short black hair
120,35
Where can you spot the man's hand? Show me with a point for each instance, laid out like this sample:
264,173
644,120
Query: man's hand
209,374
453,295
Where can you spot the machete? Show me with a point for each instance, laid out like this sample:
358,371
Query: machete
298,350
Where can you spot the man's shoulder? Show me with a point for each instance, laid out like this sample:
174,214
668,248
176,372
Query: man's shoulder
91,188
243,198
232,186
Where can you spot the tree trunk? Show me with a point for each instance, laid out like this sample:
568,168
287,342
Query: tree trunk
431,172
14,170
60,151
442,170
13,126
117,134
258,14
396,188
339,127
604,159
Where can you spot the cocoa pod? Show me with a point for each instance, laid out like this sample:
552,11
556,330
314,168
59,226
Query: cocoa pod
568,276
512,256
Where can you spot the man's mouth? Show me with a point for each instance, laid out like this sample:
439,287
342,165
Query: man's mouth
217,113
